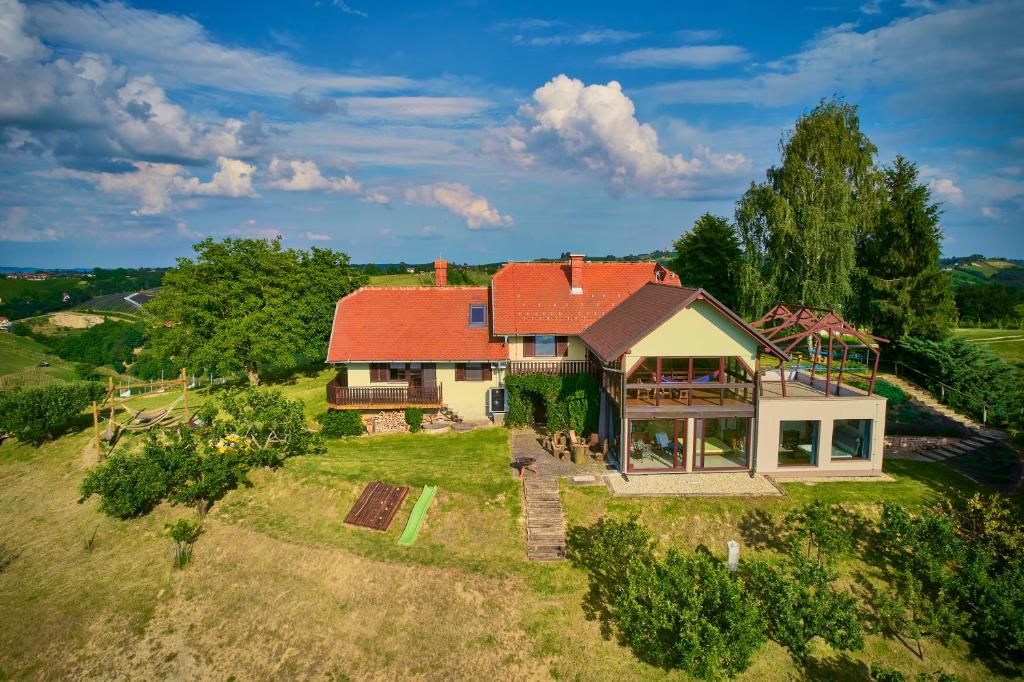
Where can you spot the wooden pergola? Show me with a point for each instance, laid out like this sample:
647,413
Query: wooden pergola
788,325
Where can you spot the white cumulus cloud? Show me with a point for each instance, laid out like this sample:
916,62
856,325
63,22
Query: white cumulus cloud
460,200
155,184
297,175
594,128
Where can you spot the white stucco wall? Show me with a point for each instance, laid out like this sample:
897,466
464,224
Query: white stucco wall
773,411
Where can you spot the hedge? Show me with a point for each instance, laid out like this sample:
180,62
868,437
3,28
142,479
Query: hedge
570,402
341,423
34,414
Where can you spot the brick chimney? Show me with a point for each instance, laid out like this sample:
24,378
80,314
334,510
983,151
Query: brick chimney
576,273
441,273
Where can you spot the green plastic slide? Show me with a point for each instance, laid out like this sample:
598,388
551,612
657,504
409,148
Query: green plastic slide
419,512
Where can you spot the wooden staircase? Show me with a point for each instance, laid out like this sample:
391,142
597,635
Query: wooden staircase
545,526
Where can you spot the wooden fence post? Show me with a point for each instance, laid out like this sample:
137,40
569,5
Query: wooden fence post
96,430
184,387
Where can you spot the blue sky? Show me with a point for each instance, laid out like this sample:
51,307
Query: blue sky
477,131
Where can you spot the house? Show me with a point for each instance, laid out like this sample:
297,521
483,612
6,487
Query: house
5,324
686,385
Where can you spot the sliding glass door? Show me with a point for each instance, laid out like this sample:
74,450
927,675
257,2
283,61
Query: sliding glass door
722,443
656,445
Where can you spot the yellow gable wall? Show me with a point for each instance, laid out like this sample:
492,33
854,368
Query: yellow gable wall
698,330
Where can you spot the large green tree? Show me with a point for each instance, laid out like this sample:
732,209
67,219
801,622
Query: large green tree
799,228
246,304
709,256
903,287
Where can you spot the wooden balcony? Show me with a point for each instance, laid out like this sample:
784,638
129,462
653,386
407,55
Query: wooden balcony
382,397
559,368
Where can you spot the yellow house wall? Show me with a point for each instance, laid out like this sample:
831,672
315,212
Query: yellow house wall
577,350
699,331
772,411
467,398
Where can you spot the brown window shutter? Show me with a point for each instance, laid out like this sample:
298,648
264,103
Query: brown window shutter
378,372
485,371
460,372
529,346
561,346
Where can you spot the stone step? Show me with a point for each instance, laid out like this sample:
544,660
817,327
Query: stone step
930,455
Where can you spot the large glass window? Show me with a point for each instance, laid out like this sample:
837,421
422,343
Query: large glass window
723,443
706,370
798,443
656,444
544,345
851,439
675,370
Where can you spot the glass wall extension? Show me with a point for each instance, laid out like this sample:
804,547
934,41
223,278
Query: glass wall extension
657,444
798,443
722,443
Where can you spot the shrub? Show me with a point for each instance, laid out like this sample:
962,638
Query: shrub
128,485
689,612
821,527
341,423
184,533
35,414
414,418
605,551
799,603
276,425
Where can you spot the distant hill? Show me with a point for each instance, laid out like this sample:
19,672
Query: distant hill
977,269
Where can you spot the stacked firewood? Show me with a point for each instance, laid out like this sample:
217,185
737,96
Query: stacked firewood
387,421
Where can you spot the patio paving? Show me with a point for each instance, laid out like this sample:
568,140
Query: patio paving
738,484
526,443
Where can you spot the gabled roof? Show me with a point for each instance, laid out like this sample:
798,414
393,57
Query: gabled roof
646,310
420,324
536,298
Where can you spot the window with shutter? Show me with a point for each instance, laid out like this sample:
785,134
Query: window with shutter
485,372
544,346
529,347
460,372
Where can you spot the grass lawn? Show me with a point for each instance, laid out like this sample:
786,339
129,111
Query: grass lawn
280,588
1006,343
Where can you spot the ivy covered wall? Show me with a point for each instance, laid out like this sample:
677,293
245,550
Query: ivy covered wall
570,402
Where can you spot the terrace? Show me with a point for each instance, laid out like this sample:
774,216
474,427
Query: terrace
382,397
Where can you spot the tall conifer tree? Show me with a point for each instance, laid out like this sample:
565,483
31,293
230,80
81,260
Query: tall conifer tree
904,287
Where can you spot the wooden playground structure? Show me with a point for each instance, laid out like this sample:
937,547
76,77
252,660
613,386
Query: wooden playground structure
134,420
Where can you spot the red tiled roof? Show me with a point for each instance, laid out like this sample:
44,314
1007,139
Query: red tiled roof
423,324
535,298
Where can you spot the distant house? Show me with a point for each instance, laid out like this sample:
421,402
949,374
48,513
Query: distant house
410,270
5,324
65,297
687,385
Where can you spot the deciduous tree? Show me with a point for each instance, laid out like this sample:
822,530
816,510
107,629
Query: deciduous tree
799,228
245,304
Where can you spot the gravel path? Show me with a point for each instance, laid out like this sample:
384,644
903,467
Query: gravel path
738,484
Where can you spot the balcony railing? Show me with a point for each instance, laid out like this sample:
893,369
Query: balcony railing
559,368
355,397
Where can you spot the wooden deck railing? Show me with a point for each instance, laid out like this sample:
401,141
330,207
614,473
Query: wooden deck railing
373,396
561,368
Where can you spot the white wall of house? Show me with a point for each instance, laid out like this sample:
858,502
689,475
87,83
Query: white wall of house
577,351
826,411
